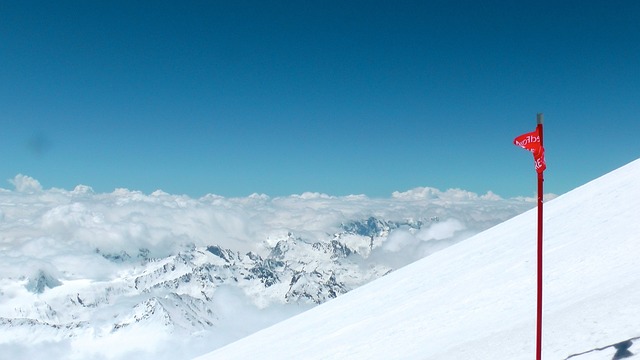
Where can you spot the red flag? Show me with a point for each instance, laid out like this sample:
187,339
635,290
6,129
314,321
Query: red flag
531,141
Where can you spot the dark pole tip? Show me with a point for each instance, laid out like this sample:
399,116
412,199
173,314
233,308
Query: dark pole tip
540,118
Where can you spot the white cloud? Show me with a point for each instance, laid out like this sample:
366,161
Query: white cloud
26,184
428,193
48,225
419,193
82,189
441,230
398,240
312,195
490,195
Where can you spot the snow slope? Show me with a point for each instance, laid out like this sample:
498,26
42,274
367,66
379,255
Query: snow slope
476,299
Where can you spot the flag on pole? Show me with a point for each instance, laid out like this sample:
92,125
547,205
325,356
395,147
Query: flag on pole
531,141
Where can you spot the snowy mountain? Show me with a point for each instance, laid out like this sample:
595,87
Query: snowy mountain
476,299
159,276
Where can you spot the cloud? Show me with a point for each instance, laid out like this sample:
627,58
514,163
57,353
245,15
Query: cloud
428,193
398,240
36,351
46,226
441,230
490,195
239,317
406,245
26,184
420,193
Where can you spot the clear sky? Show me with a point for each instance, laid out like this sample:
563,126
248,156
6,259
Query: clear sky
337,97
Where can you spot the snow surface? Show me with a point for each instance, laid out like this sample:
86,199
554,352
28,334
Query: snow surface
476,299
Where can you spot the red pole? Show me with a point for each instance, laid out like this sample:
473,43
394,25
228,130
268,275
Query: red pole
540,120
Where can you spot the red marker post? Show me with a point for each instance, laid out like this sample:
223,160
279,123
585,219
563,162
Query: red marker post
533,142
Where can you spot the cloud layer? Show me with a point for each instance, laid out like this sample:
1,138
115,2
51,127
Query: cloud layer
56,229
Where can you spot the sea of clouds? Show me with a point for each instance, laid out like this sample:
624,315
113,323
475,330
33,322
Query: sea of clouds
61,230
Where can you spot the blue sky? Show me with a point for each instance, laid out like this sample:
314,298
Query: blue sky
337,97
